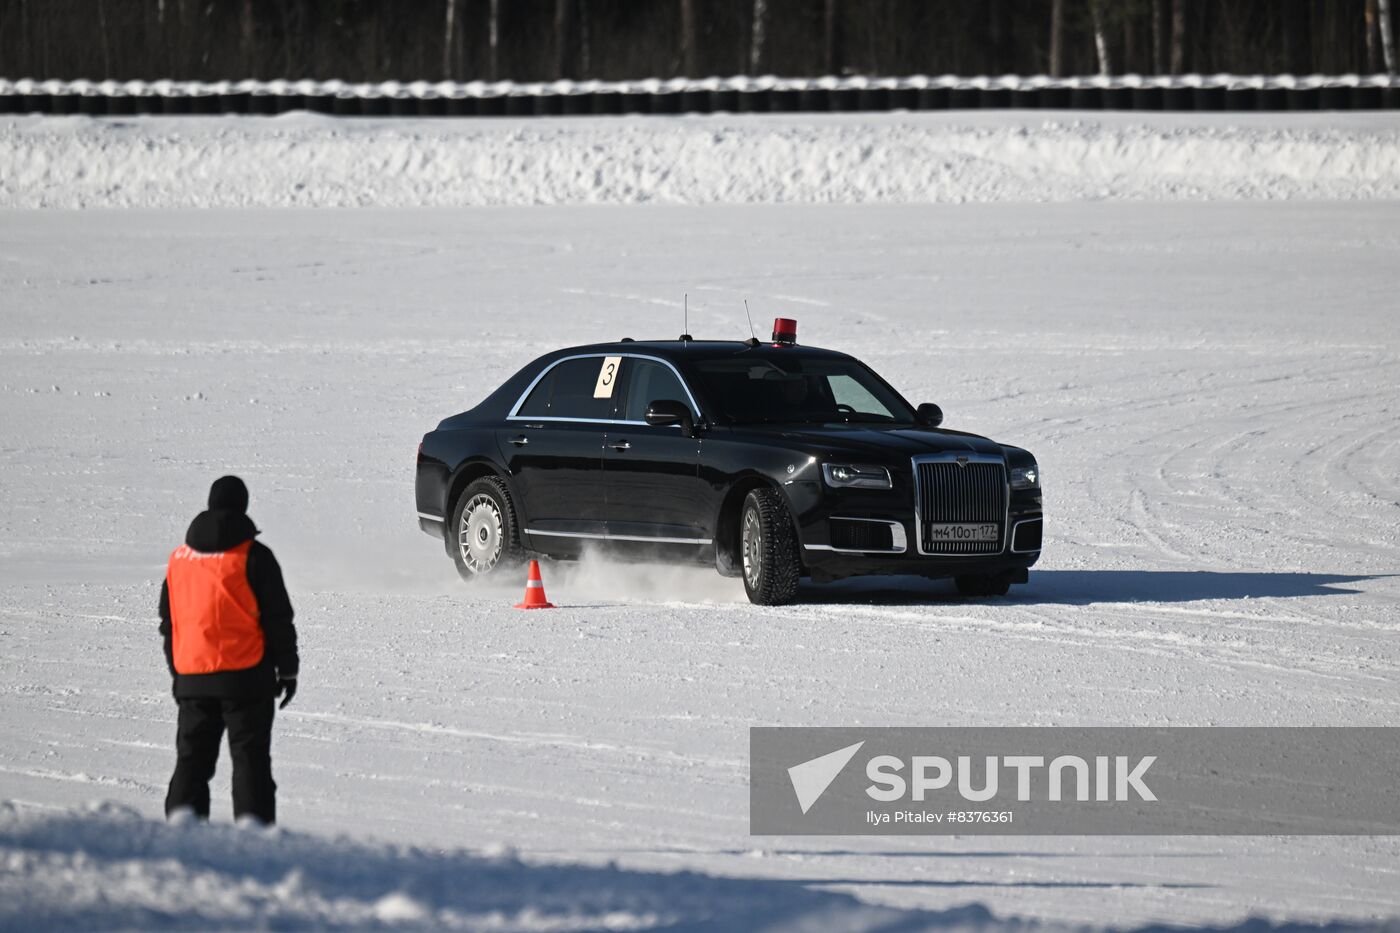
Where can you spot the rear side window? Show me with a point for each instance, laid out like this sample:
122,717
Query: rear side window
647,382
580,388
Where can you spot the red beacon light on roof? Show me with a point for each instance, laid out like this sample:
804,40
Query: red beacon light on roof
784,332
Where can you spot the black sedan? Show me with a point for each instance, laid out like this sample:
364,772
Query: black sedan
770,461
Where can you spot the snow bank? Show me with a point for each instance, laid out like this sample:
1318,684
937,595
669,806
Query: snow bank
739,83
108,868
105,867
312,161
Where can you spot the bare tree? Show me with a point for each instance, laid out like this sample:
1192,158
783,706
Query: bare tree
1327,33
1003,31
1178,56
1057,38
688,49
1100,37
370,51
1387,36
449,41
44,43
1297,35
183,38
493,40
106,41
1130,58
585,52
1373,52
288,31
757,34
564,18
833,36
23,56
1159,36
359,40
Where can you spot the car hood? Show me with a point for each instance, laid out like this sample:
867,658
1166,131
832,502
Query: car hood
872,441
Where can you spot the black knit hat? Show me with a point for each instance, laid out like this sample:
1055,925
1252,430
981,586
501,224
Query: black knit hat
229,493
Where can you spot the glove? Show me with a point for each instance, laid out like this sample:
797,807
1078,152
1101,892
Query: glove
287,686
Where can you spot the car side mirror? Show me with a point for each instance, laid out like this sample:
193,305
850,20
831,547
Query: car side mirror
666,412
929,415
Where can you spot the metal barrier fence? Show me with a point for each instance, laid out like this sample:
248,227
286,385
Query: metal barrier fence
710,95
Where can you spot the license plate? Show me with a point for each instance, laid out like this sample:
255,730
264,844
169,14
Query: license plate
954,531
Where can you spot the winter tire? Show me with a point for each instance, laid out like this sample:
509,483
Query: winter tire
983,584
484,535
768,549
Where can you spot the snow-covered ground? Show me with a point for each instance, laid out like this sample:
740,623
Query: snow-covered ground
105,867
1211,389
304,160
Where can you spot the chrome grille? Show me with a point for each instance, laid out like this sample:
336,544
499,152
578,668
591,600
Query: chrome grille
972,492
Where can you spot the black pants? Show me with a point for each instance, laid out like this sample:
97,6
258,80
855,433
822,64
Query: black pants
198,736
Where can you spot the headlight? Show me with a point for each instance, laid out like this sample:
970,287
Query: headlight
855,476
1025,477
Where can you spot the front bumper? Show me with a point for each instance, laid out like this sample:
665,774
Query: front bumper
823,516
834,565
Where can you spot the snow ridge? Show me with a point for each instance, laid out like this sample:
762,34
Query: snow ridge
304,160
739,83
106,867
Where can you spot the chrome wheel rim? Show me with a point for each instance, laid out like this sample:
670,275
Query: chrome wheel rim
481,534
753,548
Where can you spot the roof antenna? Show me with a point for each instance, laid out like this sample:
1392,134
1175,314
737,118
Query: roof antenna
753,338
685,297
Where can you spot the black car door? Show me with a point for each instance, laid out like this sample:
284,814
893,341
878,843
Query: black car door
553,446
650,474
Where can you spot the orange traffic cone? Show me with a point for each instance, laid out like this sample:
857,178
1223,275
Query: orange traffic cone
534,590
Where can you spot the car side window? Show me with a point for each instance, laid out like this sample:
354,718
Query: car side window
574,389
647,382
845,391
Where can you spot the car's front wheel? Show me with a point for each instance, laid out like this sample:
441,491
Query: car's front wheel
485,535
768,549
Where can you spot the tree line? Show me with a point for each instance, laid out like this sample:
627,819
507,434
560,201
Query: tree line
542,40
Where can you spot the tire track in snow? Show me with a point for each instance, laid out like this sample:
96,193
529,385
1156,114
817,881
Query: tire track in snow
1227,653
536,740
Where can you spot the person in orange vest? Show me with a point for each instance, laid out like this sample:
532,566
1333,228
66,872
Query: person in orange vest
232,650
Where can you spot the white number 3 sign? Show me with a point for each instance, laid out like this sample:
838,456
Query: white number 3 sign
607,377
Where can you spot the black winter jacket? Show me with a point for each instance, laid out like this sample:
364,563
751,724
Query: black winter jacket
219,530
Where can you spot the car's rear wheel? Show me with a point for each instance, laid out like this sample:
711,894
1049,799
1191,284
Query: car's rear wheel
485,535
768,549
983,584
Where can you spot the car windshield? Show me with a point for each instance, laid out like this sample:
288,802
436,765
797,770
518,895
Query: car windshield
787,388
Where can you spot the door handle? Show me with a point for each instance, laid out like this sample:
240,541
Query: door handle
621,446
520,440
